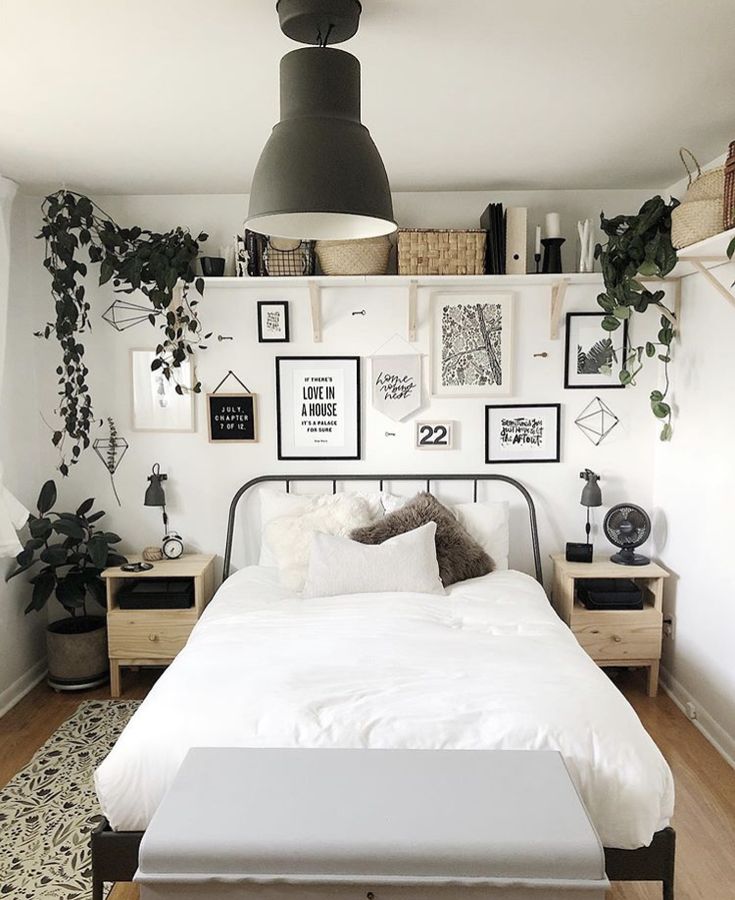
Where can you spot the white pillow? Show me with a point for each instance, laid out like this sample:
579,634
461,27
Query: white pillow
274,504
406,562
289,537
489,525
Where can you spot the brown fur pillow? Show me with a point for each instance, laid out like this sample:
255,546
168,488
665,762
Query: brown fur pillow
458,554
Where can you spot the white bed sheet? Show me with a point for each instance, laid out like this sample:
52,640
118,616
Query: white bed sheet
487,666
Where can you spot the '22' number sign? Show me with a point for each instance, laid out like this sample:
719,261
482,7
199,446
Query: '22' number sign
434,435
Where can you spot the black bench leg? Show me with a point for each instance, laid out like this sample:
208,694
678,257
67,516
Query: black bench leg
98,889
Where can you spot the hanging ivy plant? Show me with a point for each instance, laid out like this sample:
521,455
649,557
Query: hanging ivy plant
134,259
639,247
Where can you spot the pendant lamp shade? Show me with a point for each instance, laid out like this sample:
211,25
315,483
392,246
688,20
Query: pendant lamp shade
320,176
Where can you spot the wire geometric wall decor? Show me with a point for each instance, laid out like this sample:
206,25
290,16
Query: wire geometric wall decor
596,421
122,314
111,450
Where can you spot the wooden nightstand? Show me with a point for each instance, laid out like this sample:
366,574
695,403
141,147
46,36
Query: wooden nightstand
153,637
614,637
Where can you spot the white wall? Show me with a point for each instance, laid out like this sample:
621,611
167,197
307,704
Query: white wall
22,648
694,497
203,476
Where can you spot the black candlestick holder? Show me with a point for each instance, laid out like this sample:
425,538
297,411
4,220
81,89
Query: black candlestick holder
537,260
552,255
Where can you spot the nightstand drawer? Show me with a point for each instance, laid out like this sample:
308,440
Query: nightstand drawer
622,637
146,636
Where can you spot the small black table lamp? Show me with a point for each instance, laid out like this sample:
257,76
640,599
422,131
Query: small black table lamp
591,496
154,493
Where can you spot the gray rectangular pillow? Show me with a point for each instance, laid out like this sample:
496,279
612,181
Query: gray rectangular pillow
407,562
459,555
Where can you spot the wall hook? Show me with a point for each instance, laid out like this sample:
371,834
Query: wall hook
390,434
224,337
359,312
543,355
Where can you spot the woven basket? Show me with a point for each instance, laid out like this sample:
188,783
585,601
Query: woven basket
728,213
422,251
709,185
694,221
363,257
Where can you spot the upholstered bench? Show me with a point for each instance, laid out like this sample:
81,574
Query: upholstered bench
383,824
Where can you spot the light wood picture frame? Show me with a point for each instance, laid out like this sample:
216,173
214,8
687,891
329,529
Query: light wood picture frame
232,418
155,405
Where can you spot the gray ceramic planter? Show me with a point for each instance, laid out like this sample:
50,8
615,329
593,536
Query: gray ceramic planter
77,653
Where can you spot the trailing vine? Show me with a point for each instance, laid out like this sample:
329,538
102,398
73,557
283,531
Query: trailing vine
134,259
640,247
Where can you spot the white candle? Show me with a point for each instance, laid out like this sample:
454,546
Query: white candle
553,225
537,250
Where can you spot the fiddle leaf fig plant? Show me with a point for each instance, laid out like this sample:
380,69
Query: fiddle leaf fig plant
133,259
639,247
71,551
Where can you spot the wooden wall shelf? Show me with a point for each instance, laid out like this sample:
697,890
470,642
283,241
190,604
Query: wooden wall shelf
698,258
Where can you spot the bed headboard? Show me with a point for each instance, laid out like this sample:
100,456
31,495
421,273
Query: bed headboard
288,480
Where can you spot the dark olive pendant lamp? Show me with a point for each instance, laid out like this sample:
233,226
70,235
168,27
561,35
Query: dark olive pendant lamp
320,176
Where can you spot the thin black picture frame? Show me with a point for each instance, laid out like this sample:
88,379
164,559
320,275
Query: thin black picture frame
267,340
512,462
607,386
358,405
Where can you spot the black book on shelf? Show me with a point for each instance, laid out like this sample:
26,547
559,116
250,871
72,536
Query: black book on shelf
492,221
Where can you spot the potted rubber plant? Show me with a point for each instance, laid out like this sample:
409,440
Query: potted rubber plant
72,552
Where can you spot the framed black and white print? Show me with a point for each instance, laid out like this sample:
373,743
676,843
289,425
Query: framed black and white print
522,433
273,325
590,359
471,344
318,407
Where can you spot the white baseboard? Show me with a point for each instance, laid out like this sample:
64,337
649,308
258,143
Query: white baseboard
21,686
723,742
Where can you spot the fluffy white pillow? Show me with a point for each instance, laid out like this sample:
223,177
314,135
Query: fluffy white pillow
407,562
275,504
489,525
289,537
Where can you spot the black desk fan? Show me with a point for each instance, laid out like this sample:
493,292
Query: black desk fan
627,526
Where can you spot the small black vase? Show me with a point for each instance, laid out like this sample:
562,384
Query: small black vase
213,266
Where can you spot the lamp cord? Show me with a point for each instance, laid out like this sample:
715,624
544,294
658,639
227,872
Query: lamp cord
323,41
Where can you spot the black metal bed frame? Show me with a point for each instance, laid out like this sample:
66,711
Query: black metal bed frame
115,853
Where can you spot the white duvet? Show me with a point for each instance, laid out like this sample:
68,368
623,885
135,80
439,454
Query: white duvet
488,666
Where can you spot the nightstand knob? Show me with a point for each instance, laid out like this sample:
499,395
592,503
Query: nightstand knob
617,638
152,637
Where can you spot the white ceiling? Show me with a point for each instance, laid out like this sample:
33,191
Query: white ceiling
178,96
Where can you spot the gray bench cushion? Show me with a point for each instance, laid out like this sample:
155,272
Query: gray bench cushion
371,816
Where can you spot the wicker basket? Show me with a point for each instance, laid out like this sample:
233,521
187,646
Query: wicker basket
423,251
728,213
694,221
362,257
701,212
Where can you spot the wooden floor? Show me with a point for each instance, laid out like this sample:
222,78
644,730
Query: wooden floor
705,783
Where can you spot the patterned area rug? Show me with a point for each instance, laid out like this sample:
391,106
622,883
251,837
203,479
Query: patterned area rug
48,809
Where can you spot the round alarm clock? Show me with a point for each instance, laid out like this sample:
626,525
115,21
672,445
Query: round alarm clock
172,546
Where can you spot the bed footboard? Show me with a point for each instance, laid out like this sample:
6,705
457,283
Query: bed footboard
115,858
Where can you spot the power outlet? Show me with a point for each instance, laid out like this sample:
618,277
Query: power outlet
669,628
691,710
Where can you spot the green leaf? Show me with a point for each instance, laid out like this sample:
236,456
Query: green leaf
657,395
650,350
666,432
47,497
609,323
70,593
85,507
43,587
621,312
55,555
660,409
97,550
70,528
40,528
625,376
